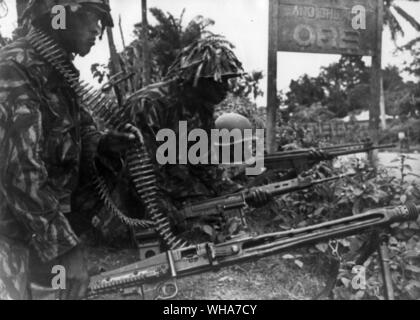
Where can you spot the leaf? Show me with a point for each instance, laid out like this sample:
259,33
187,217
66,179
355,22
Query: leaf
414,226
413,22
403,199
303,224
356,207
323,247
346,282
299,263
288,257
408,167
226,279
412,268
359,295
319,211
358,192
413,174
345,243
208,230
234,227
412,254
374,198
413,289
355,244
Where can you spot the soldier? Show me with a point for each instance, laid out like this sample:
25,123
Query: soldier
45,135
195,84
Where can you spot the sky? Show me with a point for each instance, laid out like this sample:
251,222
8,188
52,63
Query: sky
243,22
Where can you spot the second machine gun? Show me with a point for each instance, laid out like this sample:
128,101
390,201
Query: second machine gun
235,204
303,159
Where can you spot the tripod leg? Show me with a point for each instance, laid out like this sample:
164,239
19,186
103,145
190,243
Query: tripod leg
369,248
386,270
333,271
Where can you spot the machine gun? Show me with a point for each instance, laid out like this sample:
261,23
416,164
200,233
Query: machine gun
155,278
303,159
235,204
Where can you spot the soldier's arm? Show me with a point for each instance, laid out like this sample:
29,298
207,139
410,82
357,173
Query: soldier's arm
105,147
147,115
24,178
91,136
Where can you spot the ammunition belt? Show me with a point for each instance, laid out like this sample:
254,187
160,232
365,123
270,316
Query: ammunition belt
139,163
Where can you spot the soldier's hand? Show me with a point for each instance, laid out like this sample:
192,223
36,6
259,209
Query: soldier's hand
77,276
259,198
116,141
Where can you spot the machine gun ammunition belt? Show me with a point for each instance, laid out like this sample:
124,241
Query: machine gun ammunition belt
106,110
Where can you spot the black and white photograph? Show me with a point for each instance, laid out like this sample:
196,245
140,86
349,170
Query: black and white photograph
210,154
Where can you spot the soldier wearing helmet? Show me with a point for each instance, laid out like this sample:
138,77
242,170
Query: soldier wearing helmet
45,134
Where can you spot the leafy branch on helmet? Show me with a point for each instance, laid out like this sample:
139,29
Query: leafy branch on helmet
166,38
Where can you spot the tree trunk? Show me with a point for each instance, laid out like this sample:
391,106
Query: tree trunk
115,66
146,51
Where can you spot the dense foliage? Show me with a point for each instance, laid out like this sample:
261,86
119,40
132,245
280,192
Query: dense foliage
348,197
344,88
166,38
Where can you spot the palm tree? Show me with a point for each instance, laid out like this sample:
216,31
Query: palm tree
392,11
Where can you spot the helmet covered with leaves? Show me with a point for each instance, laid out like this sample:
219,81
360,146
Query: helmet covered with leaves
38,9
211,57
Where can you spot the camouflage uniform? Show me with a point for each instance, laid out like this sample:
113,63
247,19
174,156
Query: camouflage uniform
164,107
41,133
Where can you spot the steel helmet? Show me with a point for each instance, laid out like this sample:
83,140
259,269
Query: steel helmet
40,8
237,122
232,121
209,57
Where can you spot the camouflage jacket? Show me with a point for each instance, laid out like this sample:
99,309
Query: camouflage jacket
163,106
41,127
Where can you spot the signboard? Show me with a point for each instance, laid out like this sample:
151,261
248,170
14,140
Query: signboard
326,26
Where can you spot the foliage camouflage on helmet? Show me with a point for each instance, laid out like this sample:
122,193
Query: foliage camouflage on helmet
210,57
40,8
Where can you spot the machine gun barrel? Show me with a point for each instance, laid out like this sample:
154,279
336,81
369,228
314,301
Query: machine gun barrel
209,257
309,157
299,184
235,203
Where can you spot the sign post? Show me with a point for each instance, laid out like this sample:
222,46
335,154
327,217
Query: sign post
272,103
350,27
376,84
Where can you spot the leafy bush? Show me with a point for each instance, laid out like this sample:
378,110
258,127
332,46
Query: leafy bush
411,126
348,197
